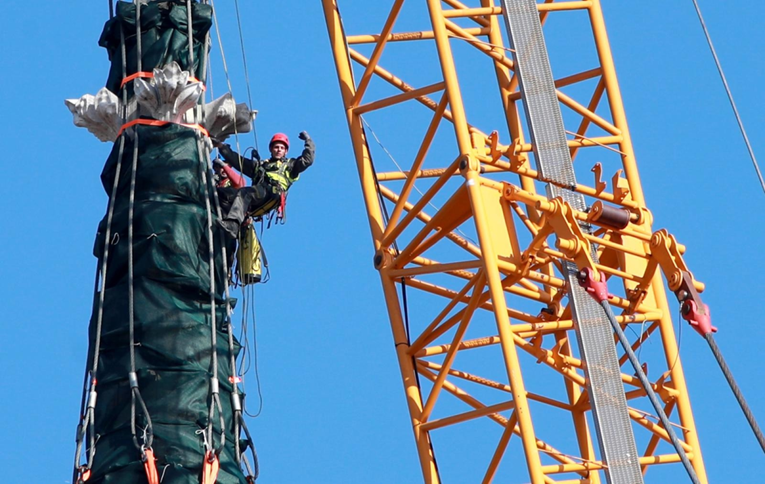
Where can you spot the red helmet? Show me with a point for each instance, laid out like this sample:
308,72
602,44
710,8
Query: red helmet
280,137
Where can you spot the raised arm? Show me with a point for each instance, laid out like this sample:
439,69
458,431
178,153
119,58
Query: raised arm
237,180
302,162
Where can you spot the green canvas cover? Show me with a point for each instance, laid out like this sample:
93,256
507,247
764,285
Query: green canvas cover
164,37
172,310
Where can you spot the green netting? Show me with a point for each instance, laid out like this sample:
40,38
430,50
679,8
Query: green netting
172,310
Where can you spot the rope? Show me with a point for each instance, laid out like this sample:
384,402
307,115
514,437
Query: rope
246,71
649,392
255,355
228,77
236,401
730,95
736,390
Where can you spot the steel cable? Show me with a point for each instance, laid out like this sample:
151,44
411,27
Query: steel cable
135,392
88,414
730,95
736,390
215,403
649,392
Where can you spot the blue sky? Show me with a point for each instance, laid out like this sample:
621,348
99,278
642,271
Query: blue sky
334,410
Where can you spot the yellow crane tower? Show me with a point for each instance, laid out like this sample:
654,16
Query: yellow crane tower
521,196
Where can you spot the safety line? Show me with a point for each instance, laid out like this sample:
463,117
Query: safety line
255,355
245,295
246,71
236,401
730,96
228,77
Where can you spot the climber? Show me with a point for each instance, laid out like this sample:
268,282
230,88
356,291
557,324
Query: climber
225,176
271,179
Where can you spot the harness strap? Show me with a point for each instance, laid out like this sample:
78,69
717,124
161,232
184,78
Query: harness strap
154,122
281,212
83,474
210,468
150,466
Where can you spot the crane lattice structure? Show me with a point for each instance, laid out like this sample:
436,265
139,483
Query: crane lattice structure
481,239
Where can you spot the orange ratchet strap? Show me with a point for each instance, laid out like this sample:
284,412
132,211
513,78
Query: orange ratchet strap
210,468
150,465
154,122
149,75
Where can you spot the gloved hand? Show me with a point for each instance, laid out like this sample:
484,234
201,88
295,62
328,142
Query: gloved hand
216,143
225,150
304,136
255,155
218,163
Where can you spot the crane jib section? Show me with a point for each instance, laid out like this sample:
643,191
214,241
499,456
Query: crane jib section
553,158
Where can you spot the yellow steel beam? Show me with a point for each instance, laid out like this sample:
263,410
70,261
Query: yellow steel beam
465,170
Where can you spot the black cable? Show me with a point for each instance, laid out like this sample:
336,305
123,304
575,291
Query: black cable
736,390
649,392
135,392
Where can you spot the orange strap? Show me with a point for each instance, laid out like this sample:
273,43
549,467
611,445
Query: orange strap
210,468
150,465
149,75
83,474
154,122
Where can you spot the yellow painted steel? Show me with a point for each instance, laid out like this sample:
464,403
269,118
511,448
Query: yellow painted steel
477,177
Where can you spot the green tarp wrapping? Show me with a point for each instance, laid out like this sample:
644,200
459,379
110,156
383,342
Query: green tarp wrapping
172,314
164,37
172,302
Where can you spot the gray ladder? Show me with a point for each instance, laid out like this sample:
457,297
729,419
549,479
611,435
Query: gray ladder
553,159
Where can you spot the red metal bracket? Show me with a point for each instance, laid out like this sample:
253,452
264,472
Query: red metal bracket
699,321
597,289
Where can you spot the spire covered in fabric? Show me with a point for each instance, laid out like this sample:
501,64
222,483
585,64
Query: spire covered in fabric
162,357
